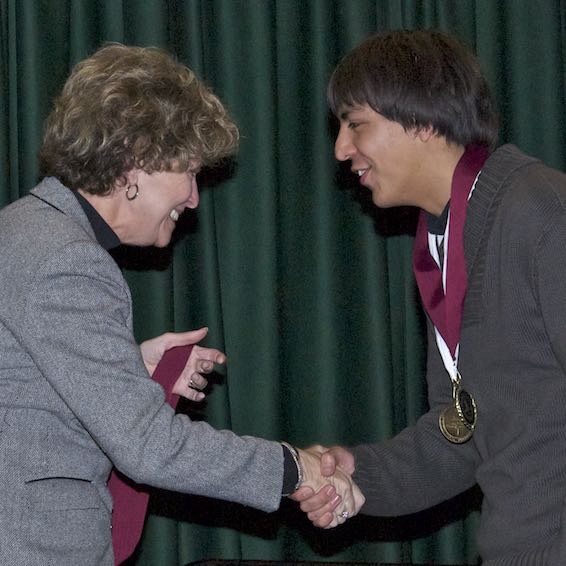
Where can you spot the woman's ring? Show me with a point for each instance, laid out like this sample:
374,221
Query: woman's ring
344,514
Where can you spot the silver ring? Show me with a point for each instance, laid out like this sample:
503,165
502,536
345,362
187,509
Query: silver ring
191,382
344,514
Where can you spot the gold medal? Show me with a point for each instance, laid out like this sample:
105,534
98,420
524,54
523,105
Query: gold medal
453,427
457,423
466,407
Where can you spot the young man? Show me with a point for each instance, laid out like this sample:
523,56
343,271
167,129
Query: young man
418,126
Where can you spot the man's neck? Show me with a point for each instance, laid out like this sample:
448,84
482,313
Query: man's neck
437,175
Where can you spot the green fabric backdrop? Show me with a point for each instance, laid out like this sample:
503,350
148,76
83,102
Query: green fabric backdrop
307,288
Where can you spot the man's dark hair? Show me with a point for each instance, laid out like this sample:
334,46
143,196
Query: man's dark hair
420,79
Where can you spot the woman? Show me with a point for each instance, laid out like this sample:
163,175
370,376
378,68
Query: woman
121,151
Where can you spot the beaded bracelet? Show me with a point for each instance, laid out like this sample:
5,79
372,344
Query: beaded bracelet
295,456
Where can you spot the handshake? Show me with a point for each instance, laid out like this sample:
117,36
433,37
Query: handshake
328,494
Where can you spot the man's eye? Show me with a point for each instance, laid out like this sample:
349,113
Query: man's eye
353,125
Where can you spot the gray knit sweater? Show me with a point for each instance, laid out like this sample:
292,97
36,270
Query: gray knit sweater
513,361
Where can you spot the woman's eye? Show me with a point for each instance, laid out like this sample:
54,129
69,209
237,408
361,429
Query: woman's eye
353,125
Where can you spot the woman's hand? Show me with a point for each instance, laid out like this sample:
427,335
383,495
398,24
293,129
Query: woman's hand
201,361
328,505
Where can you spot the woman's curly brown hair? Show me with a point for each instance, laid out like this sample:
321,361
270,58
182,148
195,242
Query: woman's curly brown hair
128,107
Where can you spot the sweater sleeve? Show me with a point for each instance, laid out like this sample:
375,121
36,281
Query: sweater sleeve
550,276
418,468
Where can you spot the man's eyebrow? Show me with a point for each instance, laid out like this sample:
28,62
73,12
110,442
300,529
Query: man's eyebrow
348,110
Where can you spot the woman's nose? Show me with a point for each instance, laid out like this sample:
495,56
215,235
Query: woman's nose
194,197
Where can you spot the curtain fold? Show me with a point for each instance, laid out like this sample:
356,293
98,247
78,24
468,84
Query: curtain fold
305,285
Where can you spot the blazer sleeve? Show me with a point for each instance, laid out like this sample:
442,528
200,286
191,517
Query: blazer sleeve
77,329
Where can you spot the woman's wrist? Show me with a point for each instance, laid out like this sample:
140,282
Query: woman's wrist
293,474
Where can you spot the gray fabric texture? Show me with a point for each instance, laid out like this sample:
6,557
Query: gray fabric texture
75,397
513,361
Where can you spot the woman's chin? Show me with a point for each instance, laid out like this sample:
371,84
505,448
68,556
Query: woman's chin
162,241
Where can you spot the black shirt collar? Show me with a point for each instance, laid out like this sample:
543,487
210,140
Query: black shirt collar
105,236
437,224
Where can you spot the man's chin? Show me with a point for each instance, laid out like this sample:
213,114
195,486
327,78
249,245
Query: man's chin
379,202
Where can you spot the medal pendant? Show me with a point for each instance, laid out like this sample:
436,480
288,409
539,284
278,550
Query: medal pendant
466,407
453,427
457,422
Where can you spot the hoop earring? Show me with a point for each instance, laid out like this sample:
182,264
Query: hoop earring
136,190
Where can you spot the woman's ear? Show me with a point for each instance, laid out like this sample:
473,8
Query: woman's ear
132,176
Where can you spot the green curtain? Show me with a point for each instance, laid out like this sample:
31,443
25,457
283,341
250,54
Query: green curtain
303,283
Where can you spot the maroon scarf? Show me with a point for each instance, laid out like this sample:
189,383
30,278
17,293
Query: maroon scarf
131,499
445,308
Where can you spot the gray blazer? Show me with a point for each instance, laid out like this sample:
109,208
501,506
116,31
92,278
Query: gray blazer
75,397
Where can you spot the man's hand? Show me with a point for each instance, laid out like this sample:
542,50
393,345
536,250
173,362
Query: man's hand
328,494
201,361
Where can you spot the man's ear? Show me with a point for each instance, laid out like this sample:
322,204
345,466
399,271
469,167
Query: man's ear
425,134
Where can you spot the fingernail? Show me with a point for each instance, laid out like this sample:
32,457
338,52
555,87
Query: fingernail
330,490
336,500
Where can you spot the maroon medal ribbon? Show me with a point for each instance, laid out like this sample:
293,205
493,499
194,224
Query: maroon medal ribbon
445,306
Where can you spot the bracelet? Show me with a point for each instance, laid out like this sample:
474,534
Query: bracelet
295,456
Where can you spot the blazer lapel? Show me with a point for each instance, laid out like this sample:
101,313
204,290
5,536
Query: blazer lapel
55,194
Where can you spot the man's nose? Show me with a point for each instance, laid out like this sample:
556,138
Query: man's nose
343,147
